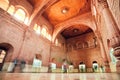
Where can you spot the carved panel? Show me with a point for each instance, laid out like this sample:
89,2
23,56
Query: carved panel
79,46
85,45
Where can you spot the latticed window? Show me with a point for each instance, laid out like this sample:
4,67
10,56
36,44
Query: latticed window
11,10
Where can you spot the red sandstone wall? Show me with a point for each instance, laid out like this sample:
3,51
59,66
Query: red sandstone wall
105,35
84,54
50,50
26,43
12,34
35,44
114,6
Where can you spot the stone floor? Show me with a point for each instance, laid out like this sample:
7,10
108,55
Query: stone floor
59,76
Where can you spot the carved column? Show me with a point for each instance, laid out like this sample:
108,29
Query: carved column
112,27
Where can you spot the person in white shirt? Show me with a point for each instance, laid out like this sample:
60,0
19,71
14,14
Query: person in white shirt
52,65
37,63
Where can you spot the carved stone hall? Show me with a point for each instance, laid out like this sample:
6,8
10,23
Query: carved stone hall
59,39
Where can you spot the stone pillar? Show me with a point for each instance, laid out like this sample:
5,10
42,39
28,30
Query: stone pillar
112,28
103,53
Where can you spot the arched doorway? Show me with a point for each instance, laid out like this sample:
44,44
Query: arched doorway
95,66
5,50
82,67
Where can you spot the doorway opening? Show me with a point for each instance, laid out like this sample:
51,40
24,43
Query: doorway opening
5,53
82,67
95,66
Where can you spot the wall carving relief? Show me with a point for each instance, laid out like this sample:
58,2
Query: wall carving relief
79,45
85,44
82,45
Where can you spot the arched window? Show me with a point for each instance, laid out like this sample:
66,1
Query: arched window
37,28
79,46
20,14
4,4
49,37
47,34
26,20
11,10
43,31
56,42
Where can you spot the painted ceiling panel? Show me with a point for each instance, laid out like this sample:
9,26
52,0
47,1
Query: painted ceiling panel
64,9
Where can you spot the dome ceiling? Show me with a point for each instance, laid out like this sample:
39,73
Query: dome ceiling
75,30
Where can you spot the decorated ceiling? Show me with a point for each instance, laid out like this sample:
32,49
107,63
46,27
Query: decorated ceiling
58,11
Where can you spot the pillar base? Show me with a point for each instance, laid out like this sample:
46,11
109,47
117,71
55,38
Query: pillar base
118,66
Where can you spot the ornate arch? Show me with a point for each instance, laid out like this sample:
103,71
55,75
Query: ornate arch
8,48
21,7
85,19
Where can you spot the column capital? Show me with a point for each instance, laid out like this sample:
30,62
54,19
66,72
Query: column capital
103,3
